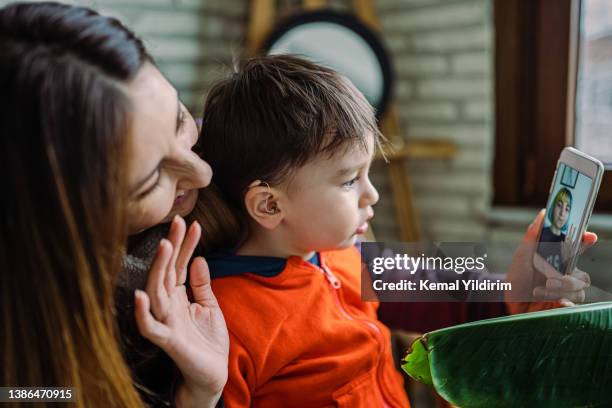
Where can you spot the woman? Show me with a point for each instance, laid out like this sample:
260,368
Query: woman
557,249
96,146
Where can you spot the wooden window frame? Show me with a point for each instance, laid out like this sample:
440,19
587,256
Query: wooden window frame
536,51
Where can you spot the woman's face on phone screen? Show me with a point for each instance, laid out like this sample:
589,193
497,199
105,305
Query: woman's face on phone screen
561,213
164,174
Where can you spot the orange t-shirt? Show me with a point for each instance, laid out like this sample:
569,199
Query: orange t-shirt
302,337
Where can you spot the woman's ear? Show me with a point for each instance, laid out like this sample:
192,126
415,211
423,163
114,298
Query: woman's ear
264,205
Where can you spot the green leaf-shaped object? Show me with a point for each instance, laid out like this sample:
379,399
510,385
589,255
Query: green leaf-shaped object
559,358
416,362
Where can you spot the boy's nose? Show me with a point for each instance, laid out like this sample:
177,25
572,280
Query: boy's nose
370,195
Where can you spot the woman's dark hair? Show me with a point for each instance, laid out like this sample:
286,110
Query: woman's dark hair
270,117
64,125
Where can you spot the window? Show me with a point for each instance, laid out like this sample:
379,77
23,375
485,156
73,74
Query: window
553,88
593,123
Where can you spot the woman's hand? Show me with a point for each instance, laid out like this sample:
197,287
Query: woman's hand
528,284
192,332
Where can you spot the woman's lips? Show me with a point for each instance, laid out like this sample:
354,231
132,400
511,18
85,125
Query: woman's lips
182,196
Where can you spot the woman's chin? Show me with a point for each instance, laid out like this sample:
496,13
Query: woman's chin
182,207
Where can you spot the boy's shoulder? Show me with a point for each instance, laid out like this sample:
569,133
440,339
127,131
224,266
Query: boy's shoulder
346,263
346,257
281,309
273,286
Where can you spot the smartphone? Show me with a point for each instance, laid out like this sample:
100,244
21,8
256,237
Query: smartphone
570,203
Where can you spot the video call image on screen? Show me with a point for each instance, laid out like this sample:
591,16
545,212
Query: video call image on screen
564,210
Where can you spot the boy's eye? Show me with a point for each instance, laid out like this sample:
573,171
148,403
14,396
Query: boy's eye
350,183
181,121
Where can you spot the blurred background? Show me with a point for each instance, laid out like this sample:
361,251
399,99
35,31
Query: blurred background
483,95
503,84
443,55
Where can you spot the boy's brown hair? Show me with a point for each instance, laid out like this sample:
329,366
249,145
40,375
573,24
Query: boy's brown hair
271,116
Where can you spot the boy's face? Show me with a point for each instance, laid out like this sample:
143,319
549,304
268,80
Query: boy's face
330,200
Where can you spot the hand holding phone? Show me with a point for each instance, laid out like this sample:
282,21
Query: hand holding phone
570,204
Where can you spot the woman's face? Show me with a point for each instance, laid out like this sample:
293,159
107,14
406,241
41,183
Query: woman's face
561,213
164,174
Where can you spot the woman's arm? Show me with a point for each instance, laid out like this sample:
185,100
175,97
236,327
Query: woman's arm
547,293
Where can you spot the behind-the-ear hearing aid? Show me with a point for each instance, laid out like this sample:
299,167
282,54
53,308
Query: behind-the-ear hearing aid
272,210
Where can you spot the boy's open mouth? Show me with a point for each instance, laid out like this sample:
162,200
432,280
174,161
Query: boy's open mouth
362,228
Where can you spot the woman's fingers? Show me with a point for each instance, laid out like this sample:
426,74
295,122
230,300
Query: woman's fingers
569,283
533,230
588,240
199,281
582,276
544,293
176,237
570,287
155,288
191,242
148,326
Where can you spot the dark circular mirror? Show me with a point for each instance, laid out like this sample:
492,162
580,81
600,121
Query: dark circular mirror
342,42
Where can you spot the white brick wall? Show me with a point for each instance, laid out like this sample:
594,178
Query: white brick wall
465,135
453,88
477,63
421,64
444,111
442,52
191,40
408,19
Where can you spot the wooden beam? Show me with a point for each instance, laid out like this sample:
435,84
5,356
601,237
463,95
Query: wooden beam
314,4
364,9
261,21
403,200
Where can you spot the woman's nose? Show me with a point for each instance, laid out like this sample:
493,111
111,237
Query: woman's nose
197,174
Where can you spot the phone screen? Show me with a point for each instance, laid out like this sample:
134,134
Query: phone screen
564,210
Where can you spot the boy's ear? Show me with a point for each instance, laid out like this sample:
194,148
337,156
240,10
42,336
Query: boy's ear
264,205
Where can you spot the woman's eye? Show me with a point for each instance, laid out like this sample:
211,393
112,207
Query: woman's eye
150,189
181,121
